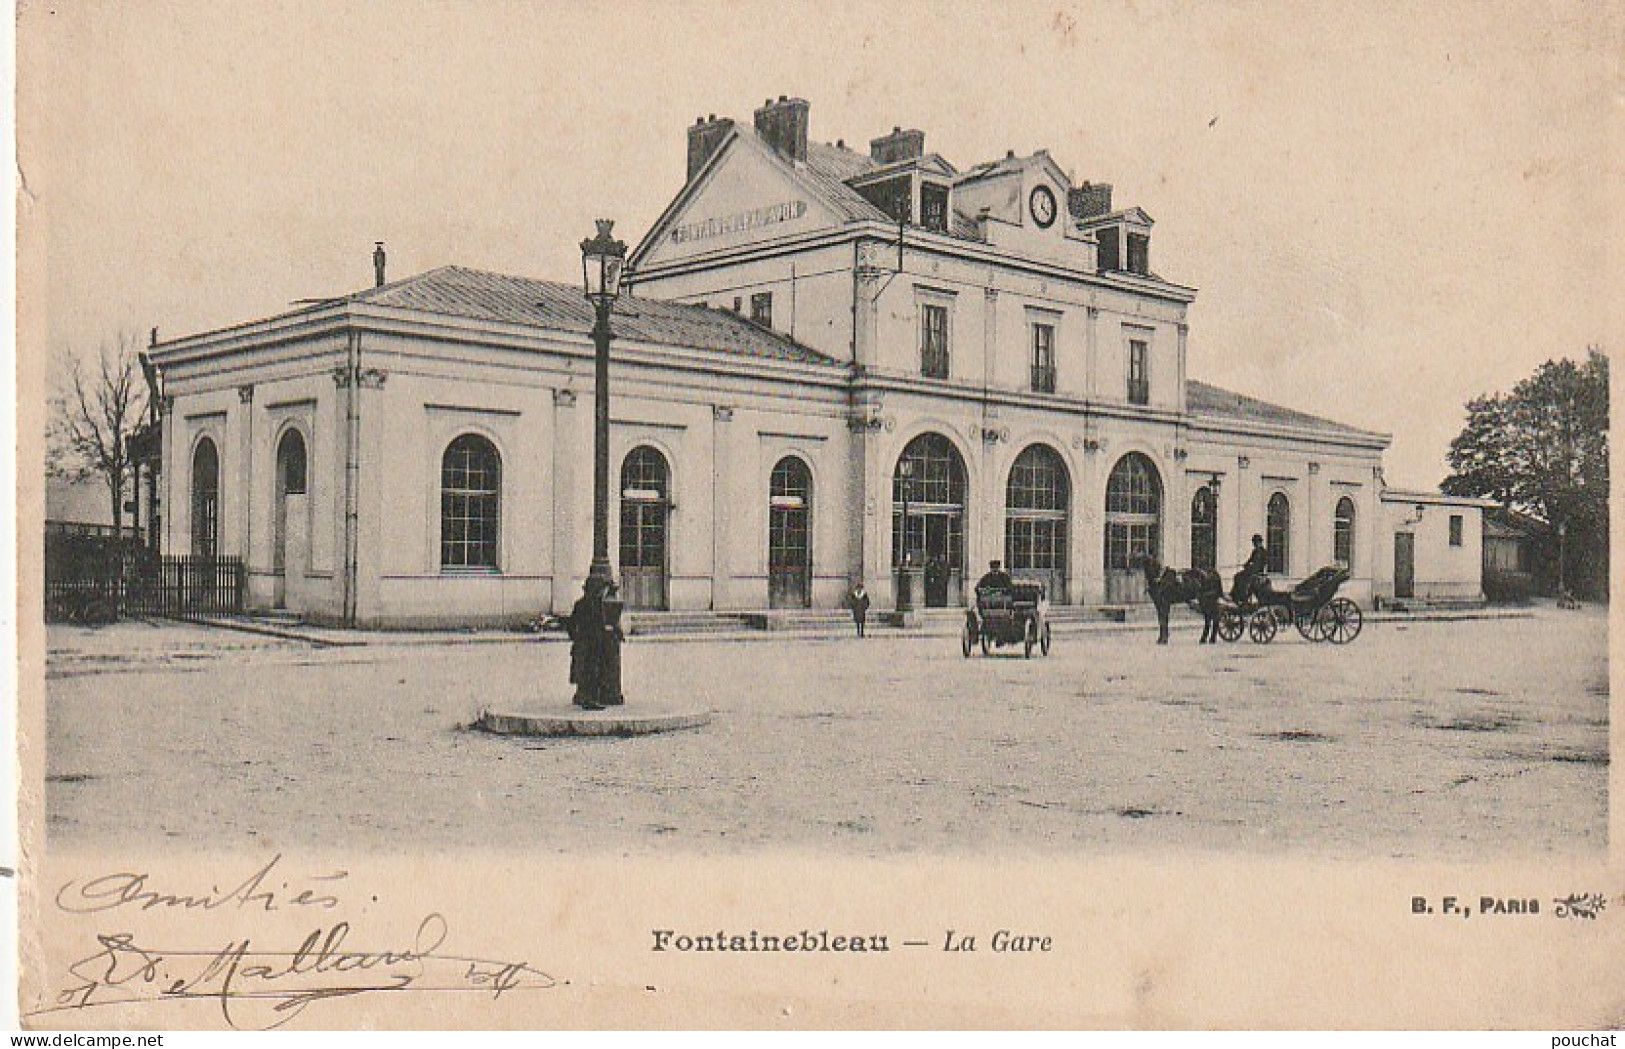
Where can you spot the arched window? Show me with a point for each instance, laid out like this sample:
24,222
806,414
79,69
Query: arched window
1278,533
1204,529
470,503
1035,532
789,534
928,507
205,499
1343,533
290,464
1133,526
930,479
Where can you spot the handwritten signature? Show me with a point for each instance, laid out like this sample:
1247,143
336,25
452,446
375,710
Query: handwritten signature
257,987
264,989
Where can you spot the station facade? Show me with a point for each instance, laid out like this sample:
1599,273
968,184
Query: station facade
826,362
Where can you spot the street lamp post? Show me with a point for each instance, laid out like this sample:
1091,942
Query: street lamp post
602,259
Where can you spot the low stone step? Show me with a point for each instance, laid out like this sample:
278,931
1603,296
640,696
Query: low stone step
796,618
648,623
1438,604
276,617
1087,614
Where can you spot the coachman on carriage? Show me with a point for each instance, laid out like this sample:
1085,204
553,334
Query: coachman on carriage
1312,606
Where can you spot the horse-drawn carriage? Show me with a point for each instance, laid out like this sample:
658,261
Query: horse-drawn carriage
1008,615
1312,606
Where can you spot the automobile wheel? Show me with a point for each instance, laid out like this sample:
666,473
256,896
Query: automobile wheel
1028,639
965,642
1044,639
987,645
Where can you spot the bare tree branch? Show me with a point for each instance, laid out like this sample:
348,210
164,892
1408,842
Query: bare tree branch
94,413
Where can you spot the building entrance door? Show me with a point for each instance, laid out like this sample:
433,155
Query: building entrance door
1404,564
1133,527
789,535
645,509
1035,529
290,481
928,516
944,570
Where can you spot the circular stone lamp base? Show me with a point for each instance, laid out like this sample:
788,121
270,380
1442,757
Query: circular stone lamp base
574,721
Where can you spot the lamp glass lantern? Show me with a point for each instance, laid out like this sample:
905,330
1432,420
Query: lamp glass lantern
602,260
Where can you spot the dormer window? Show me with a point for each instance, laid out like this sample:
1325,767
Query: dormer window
1123,241
1108,255
934,207
1139,254
894,196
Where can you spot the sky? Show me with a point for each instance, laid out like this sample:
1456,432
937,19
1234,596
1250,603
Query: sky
1386,208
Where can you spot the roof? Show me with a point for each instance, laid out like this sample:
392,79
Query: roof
1202,399
827,168
1434,497
475,294
1505,521
838,162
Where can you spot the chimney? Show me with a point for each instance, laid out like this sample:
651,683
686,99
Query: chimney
1090,200
898,146
378,262
703,139
783,125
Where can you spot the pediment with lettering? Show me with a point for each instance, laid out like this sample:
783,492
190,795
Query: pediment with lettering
745,195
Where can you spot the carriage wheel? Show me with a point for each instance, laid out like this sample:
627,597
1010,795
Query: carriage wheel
1340,621
1308,624
1043,640
1232,625
1261,628
965,641
987,643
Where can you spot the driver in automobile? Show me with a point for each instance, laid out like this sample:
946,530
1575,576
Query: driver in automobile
995,579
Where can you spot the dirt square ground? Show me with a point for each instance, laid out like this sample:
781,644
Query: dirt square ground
1470,739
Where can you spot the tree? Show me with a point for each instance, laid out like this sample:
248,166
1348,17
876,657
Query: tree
97,408
1543,450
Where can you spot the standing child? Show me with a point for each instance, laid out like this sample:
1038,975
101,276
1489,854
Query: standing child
858,600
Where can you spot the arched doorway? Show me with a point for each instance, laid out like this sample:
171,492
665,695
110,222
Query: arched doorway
1037,499
1133,526
789,535
205,499
645,509
928,516
290,481
1278,534
1204,529
1343,533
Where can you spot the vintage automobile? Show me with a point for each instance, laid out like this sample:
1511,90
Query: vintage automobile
1013,615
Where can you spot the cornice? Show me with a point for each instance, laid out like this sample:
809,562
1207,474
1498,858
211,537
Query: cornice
922,240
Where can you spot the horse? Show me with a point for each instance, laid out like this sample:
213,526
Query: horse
1197,586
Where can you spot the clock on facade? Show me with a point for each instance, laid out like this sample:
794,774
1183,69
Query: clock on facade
1042,204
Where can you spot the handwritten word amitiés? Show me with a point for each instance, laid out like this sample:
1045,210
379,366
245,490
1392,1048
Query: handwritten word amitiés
262,889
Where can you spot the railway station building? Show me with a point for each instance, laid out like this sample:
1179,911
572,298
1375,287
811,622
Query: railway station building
826,359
